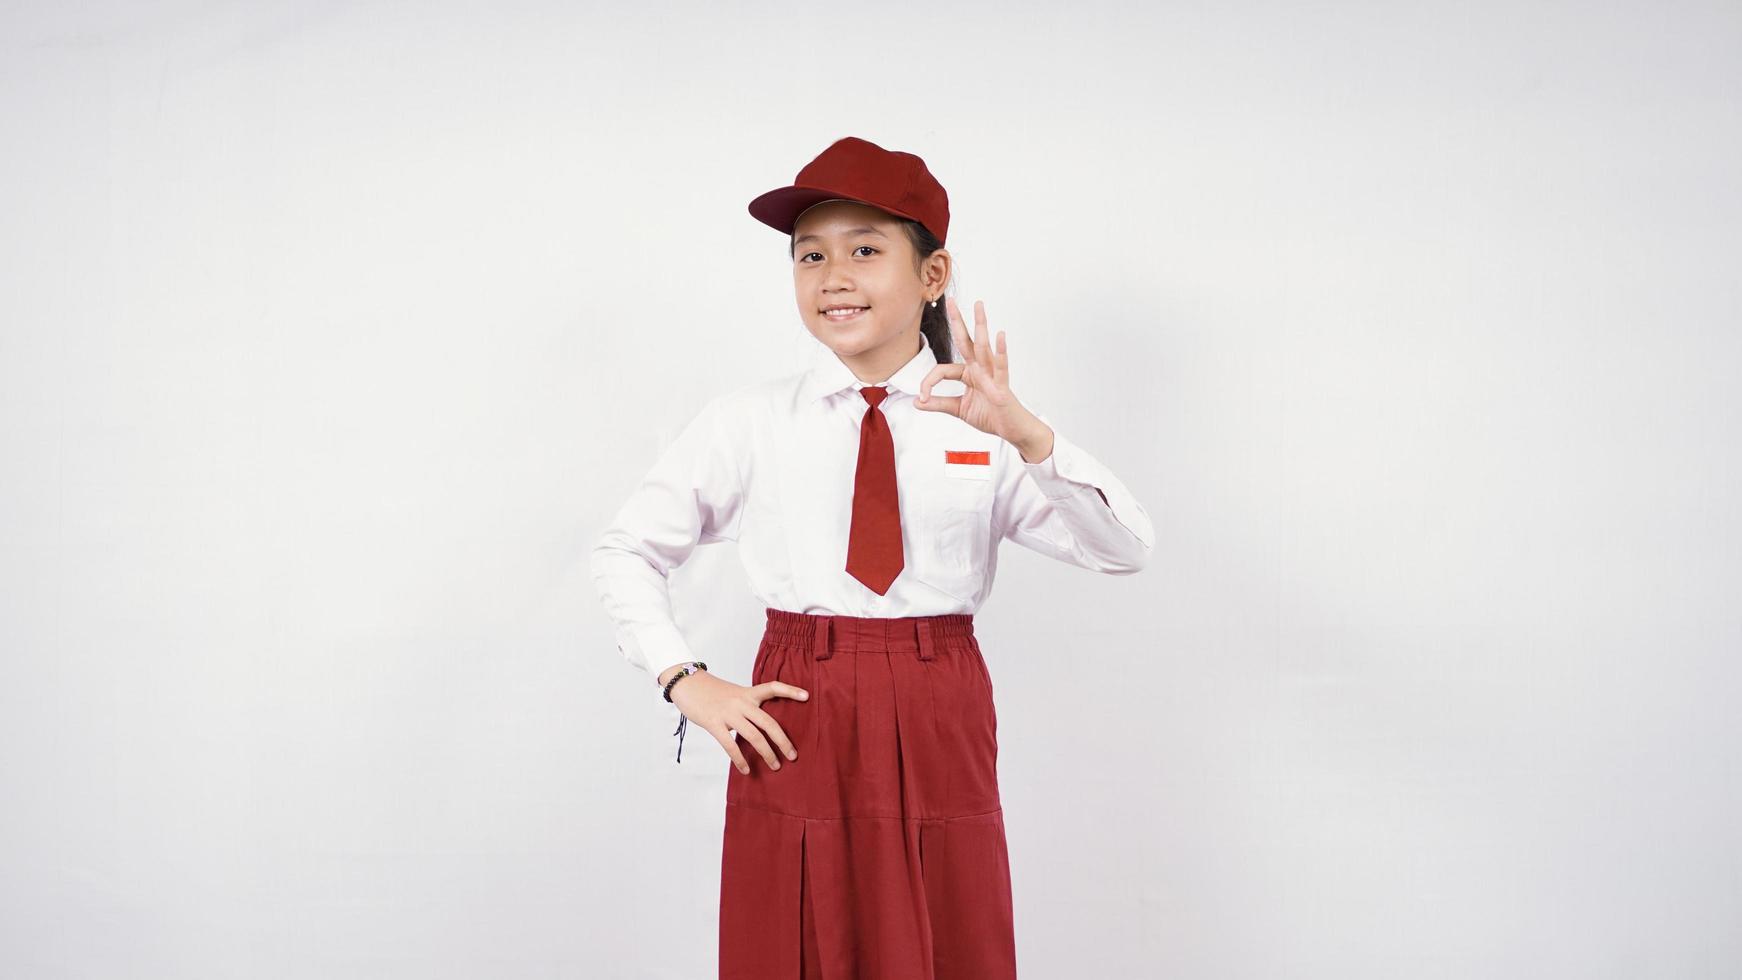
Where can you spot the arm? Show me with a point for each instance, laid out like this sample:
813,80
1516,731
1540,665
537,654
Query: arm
1063,503
692,496
1060,501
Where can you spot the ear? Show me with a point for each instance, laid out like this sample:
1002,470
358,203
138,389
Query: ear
934,271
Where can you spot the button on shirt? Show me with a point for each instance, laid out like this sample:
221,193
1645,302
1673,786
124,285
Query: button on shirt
771,465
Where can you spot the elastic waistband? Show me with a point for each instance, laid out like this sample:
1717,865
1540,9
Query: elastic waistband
827,635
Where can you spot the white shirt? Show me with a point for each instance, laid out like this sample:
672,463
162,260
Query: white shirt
771,466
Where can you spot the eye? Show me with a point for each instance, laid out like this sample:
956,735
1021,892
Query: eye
807,255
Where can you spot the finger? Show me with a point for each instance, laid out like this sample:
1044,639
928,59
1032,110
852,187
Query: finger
948,404
942,372
724,736
958,329
775,732
982,342
748,730
777,689
1001,363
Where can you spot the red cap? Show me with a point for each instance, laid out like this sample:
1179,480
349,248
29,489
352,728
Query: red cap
853,169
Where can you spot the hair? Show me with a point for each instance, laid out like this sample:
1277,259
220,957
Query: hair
934,321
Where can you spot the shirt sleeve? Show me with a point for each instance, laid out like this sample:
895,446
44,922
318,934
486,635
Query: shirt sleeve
1072,508
692,496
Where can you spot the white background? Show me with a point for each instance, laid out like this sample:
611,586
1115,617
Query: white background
332,334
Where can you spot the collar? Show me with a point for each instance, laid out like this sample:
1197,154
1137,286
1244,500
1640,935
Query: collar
831,375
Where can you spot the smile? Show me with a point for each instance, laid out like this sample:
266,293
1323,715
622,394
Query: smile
839,315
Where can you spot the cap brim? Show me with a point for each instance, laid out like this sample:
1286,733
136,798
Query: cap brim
779,208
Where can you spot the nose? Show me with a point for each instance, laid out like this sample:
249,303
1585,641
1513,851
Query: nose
837,278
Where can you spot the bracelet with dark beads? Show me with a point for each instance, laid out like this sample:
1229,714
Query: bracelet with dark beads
683,720
687,670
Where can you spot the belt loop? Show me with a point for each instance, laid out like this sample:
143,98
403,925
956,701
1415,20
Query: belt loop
820,646
925,640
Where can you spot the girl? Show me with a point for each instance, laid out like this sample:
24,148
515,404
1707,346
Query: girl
864,836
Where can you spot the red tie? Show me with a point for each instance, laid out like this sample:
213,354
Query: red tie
874,541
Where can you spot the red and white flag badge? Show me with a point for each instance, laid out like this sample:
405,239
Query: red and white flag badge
968,464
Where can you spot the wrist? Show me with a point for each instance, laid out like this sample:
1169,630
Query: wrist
677,673
1035,445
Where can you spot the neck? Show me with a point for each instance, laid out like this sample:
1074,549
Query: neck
879,364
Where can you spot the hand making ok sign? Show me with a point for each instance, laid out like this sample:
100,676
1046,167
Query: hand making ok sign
987,404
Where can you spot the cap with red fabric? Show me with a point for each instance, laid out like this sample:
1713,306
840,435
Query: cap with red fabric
852,169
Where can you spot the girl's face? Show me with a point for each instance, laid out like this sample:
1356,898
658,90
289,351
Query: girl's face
852,255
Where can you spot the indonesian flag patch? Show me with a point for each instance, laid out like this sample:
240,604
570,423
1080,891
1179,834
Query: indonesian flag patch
968,464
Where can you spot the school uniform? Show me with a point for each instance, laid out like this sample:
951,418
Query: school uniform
879,853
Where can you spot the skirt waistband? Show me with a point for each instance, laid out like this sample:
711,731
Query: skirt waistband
827,635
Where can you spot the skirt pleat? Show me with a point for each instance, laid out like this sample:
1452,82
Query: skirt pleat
879,853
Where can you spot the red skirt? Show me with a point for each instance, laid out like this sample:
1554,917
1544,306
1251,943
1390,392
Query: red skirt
879,853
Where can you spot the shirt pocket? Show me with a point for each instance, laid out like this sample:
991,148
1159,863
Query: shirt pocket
949,545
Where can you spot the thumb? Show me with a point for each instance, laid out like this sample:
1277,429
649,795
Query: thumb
948,404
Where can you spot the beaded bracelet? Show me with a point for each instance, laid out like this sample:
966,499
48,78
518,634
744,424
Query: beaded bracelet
683,720
689,668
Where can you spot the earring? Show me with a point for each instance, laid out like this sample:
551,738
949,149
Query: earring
934,303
